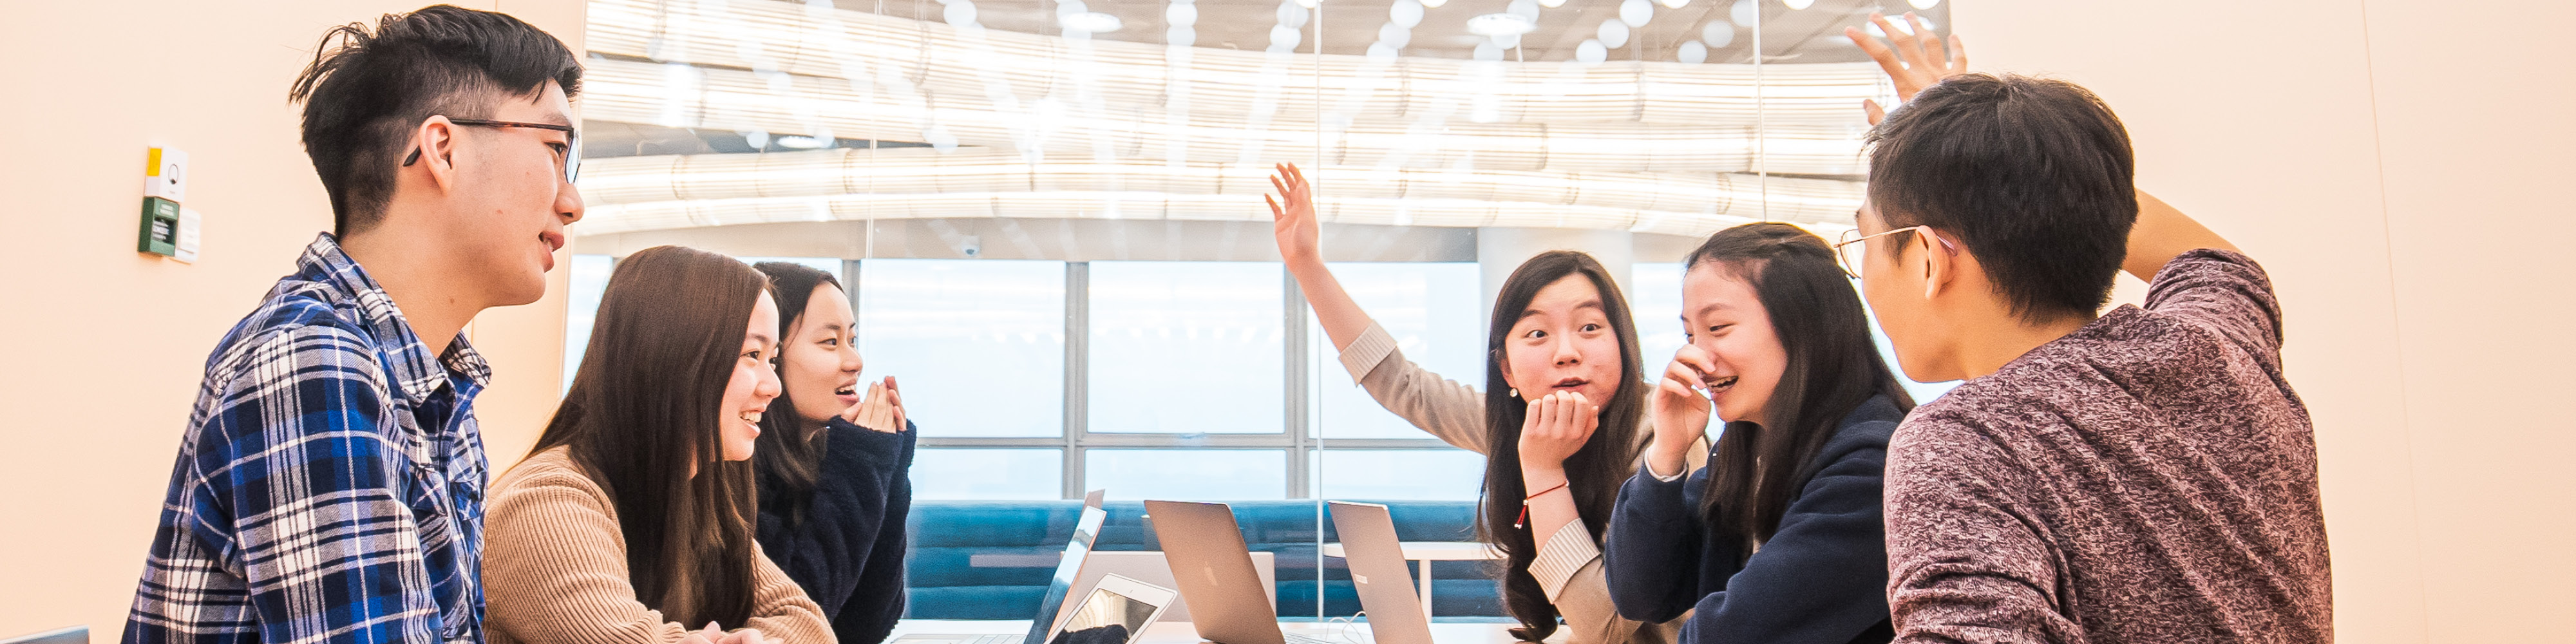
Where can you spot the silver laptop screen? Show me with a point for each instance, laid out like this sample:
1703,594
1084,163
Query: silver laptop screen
1085,530
1105,617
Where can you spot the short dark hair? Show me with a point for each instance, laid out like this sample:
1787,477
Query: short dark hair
2033,175
363,96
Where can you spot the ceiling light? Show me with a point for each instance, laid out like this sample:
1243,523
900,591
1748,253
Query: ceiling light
1798,4
1717,33
1433,4
1092,21
1636,12
1500,24
1405,12
1591,52
1745,12
1613,33
1551,4
1924,4
1293,13
1692,52
1674,4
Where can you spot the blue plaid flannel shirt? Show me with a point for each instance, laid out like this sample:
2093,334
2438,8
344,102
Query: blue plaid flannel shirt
330,485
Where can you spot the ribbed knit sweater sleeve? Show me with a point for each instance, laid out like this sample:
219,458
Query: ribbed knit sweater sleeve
554,569
848,550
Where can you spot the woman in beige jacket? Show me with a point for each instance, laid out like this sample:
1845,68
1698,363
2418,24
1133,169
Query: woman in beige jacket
1564,431
630,522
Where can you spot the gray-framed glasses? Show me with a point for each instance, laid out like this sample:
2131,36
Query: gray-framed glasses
570,155
1850,252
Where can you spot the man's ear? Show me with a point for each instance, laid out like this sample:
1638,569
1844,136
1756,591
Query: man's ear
1940,264
438,146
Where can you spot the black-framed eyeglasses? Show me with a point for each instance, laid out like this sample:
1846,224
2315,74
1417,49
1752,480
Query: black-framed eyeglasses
572,143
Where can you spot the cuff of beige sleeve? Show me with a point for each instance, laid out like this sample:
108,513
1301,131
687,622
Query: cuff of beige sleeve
1566,553
1365,353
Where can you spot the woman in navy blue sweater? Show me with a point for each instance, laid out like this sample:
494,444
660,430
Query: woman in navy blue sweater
833,464
1779,538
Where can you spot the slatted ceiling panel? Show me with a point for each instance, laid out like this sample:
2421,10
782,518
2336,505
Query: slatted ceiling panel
937,62
1787,203
734,100
923,170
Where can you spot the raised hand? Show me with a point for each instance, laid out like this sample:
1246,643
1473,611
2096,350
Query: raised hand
880,410
1913,59
1558,425
1293,210
1680,409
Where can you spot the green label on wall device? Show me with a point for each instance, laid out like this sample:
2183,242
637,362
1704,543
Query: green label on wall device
160,234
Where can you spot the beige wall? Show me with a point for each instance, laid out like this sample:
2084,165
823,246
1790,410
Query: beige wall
103,346
2392,164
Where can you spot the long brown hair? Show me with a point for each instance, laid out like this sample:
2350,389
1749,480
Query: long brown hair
791,456
642,414
1833,368
1593,472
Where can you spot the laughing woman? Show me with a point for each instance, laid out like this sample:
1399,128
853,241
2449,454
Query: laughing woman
631,520
1559,420
1780,538
833,487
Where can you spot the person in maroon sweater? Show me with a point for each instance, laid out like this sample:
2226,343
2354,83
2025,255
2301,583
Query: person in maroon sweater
2141,475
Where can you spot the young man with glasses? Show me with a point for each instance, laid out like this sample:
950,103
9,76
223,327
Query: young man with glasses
330,484
2145,474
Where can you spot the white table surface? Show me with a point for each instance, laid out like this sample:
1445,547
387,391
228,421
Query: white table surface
1435,551
1169,632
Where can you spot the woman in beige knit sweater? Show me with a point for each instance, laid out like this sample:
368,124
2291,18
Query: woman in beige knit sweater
630,522
1562,433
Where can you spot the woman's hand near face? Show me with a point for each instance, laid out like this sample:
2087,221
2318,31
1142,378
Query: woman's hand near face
880,410
1680,410
1557,426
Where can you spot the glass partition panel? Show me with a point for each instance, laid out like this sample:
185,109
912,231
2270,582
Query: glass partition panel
1051,216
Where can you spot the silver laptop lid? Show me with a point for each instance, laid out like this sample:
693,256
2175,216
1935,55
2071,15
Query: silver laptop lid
1213,569
1115,612
1051,606
1376,560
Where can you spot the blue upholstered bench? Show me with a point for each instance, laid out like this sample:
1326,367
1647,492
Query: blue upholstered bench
1018,542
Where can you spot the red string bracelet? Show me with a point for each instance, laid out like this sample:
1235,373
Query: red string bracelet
1523,522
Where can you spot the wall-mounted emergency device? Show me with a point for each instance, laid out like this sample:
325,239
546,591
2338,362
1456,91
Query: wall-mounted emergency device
167,228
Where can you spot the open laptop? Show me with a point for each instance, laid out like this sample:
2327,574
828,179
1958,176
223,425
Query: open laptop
1376,561
1116,611
1050,606
1213,568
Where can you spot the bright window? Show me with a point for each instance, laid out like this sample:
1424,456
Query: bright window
1187,348
976,345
